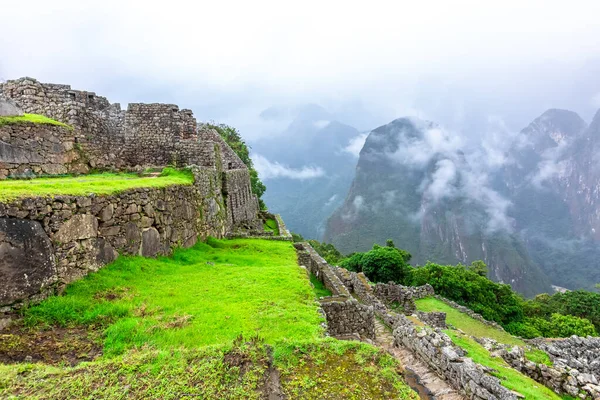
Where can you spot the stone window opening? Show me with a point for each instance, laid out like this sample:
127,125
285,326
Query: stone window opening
90,97
72,96
230,165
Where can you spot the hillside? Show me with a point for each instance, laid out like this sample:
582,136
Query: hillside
414,185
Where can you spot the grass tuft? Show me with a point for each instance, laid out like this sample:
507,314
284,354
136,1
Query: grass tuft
34,119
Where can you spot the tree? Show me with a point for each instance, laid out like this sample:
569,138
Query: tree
479,268
381,264
233,138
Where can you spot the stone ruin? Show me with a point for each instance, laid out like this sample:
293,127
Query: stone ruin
48,242
359,302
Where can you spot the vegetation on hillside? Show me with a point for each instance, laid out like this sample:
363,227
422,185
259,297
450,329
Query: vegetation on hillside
558,315
233,138
83,185
33,119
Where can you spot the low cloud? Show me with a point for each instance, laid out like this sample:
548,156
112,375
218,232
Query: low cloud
321,124
273,170
356,144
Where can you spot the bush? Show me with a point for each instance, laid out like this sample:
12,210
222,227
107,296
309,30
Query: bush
382,264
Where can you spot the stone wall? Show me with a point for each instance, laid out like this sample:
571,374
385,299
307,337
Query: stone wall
405,296
433,319
144,135
347,317
576,352
559,377
48,242
437,350
317,266
29,149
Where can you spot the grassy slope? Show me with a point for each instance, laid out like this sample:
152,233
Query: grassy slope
472,327
510,377
170,327
86,184
32,118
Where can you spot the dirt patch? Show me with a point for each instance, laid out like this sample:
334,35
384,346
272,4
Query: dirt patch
51,346
114,294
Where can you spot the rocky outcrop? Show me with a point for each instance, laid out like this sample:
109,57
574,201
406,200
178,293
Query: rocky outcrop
8,108
27,263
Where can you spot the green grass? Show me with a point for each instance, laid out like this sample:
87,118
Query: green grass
83,185
270,225
309,370
32,118
171,329
319,288
473,327
510,378
205,295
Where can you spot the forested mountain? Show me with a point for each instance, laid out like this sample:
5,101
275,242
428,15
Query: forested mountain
534,221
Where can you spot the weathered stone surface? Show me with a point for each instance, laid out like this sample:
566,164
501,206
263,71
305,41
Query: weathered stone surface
81,226
27,265
8,108
151,245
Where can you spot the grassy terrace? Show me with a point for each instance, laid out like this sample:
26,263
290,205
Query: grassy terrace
170,327
510,377
107,183
32,118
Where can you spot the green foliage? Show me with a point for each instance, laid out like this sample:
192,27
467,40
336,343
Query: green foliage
327,251
562,326
578,303
205,295
296,237
479,268
233,138
381,264
495,301
84,185
34,119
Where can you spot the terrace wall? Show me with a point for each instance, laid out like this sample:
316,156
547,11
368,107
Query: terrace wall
48,242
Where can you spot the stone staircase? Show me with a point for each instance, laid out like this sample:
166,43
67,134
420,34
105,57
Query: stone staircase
418,375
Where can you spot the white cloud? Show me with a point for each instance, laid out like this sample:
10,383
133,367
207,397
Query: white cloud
356,144
443,181
272,170
321,124
331,200
596,100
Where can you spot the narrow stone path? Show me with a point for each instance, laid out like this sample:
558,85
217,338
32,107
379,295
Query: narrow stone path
438,388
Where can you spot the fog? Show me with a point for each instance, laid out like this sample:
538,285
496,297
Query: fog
457,63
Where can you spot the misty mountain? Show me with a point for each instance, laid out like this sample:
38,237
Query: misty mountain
307,168
413,184
554,184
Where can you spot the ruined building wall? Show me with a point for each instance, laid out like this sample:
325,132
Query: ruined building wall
143,135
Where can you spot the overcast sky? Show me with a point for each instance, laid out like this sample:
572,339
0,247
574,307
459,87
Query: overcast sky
457,62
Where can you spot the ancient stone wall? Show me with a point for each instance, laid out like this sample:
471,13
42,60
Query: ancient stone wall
29,149
74,235
404,296
317,266
347,317
144,135
433,319
242,205
561,378
576,352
